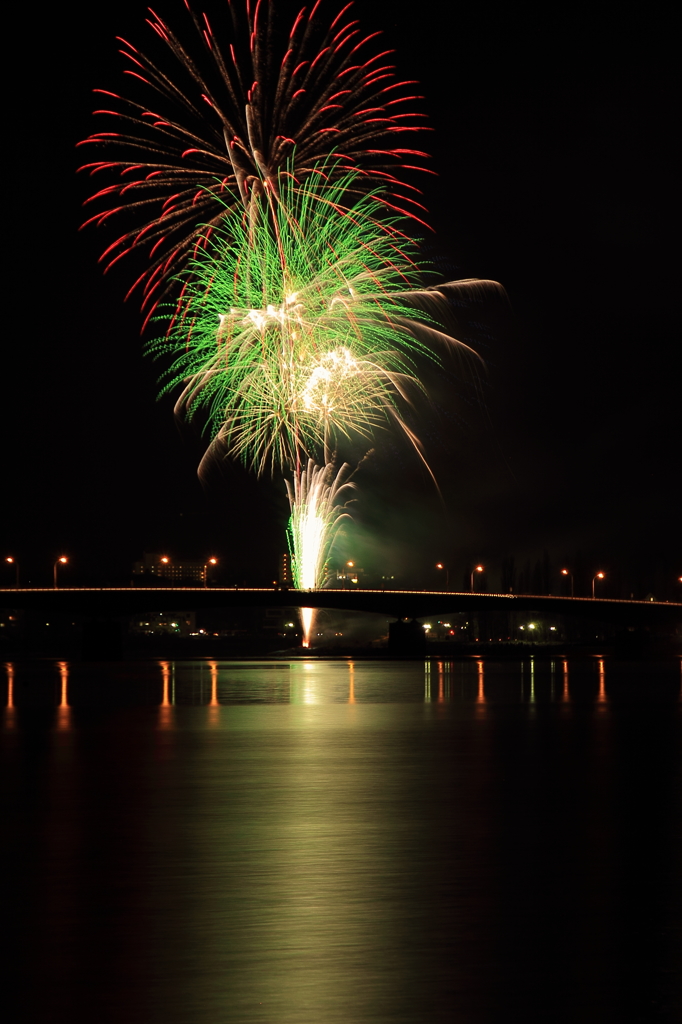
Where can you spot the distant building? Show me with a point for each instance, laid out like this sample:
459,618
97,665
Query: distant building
164,567
348,575
285,574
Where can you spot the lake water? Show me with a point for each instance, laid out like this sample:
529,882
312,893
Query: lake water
339,842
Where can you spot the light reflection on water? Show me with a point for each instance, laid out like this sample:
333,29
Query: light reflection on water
215,684
345,841
219,683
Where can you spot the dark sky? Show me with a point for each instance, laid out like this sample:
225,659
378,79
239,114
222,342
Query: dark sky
553,142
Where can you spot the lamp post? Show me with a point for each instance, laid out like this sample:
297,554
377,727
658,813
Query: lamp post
565,572
439,565
211,561
478,568
597,576
12,561
62,560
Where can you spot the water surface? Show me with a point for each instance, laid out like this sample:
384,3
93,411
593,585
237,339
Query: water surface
298,842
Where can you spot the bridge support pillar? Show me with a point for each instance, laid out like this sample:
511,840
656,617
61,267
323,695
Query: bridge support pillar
406,638
102,640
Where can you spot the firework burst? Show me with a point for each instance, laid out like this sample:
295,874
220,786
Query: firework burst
301,328
221,113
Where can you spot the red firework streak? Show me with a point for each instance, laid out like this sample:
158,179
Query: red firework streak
221,124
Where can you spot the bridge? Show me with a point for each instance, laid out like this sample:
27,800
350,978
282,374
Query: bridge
97,602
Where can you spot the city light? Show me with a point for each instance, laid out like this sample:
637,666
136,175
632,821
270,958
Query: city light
62,560
12,561
440,565
567,572
597,576
211,561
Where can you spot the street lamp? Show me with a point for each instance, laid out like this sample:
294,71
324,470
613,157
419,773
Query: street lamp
439,565
597,576
62,560
346,574
478,568
13,561
565,572
211,561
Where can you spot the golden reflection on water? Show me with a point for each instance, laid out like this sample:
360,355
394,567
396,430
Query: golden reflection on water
63,711
351,682
9,708
480,697
166,706
304,685
213,667
565,695
214,705
602,699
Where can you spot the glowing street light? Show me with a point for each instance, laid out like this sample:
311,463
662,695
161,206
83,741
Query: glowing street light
211,561
597,576
12,561
478,568
350,565
439,565
566,572
62,560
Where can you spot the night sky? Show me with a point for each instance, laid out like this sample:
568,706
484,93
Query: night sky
553,141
